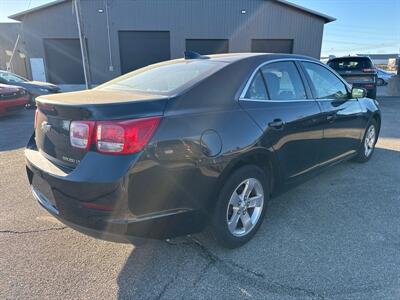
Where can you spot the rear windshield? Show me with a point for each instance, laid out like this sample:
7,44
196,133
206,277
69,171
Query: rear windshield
164,78
350,63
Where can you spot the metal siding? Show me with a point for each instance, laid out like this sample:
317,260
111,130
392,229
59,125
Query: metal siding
54,22
185,19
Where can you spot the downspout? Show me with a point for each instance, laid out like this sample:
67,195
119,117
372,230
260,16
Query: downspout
111,66
86,69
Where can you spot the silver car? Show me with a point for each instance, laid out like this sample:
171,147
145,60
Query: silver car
383,77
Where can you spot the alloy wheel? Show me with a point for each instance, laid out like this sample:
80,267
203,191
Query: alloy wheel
369,141
245,207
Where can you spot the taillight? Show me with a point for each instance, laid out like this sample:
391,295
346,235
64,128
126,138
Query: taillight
80,134
124,137
113,137
368,70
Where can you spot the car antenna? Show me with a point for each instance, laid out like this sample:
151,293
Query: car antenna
194,55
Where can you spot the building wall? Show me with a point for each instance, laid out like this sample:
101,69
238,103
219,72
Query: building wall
8,37
185,19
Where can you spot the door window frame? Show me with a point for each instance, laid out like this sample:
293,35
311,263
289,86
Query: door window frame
311,84
303,76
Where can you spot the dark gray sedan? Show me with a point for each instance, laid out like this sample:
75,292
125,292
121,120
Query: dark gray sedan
194,143
34,88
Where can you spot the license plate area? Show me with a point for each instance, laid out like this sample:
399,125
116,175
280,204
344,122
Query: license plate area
359,79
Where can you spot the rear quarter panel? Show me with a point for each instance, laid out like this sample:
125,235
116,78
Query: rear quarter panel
182,174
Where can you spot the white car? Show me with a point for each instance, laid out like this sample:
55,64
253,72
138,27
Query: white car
383,77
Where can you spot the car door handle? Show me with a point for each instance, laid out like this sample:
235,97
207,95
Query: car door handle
276,124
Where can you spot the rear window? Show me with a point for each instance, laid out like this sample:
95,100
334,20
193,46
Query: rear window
164,78
350,63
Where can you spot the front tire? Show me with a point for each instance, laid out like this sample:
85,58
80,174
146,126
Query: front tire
368,143
240,207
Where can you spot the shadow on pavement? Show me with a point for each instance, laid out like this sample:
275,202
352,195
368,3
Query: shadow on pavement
336,235
15,130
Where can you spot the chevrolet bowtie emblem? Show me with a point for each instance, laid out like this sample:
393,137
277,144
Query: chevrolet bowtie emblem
46,127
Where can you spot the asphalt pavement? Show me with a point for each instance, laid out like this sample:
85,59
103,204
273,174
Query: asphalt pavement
337,236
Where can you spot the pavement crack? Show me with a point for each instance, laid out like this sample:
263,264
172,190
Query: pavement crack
168,284
242,273
32,231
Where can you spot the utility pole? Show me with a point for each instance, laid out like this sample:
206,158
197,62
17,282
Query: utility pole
12,55
84,52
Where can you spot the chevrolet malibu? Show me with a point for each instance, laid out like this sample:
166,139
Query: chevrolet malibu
194,143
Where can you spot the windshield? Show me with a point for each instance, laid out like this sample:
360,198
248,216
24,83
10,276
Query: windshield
350,63
164,78
11,78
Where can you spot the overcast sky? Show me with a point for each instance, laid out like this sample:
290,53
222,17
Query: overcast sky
362,26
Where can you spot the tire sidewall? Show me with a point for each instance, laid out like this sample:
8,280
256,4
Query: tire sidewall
220,228
361,155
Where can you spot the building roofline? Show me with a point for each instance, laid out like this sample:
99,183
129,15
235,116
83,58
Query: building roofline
327,18
20,15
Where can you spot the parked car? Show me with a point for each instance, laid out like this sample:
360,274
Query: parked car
34,88
12,99
383,77
170,148
359,71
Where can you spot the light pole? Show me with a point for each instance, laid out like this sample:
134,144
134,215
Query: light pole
85,61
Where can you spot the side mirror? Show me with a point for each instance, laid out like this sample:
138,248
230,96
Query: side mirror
358,93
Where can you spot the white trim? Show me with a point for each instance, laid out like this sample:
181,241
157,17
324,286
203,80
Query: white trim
313,12
18,16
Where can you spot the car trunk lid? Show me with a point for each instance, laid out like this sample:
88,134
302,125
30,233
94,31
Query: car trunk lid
56,112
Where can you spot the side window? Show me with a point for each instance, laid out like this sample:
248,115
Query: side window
283,81
257,90
325,84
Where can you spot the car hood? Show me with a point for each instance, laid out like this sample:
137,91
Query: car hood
39,84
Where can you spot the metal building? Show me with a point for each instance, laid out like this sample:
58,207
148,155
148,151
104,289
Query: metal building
11,55
122,35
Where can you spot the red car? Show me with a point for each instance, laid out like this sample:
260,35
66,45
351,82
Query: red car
12,98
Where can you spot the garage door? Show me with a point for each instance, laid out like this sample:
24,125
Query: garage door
141,48
63,61
207,46
272,45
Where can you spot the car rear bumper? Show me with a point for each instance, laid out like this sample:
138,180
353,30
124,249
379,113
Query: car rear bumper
66,196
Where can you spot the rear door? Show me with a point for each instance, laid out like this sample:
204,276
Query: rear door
343,122
278,100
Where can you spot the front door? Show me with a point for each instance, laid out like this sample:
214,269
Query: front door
277,100
343,124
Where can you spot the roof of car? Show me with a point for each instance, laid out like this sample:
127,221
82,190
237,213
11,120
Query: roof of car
350,56
232,57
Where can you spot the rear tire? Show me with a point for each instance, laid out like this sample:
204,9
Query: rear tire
241,206
367,146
